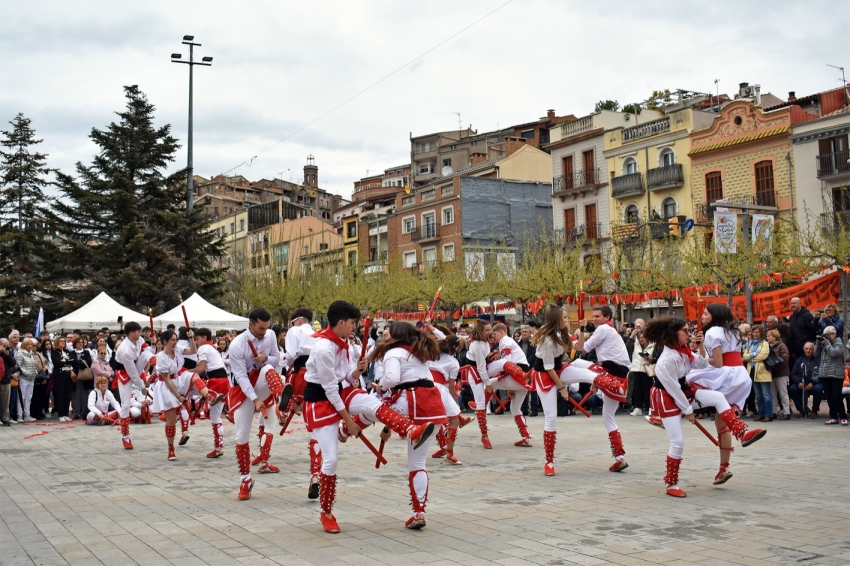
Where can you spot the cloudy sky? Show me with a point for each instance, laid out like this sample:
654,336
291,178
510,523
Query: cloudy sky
280,65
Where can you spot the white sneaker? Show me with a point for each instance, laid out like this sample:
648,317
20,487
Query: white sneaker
29,420
636,413
13,421
63,419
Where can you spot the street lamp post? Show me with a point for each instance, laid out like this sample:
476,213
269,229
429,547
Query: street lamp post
206,62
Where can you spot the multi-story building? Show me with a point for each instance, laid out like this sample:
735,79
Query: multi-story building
649,169
485,207
442,153
580,192
745,156
280,246
233,228
822,165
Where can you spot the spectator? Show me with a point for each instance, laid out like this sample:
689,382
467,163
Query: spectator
26,377
80,359
100,365
845,388
829,317
639,374
63,387
69,340
533,401
756,351
804,377
100,400
830,349
14,342
800,327
779,375
9,372
43,382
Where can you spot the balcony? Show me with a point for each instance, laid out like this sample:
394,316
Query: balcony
425,149
833,224
830,164
667,177
578,180
627,185
704,212
646,130
576,127
426,233
584,232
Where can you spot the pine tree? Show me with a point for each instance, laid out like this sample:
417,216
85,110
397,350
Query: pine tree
25,283
125,221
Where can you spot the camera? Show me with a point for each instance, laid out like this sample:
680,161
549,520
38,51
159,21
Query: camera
819,337
630,325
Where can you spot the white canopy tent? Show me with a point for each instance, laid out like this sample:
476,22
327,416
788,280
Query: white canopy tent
201,314
101,312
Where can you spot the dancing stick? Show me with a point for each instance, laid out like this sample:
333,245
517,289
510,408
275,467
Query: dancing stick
371,447
381,448
286,422
186,318
580,312
580,405
366,325
434,303
706,433
153,332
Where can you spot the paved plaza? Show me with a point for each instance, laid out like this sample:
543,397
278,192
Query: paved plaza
72,495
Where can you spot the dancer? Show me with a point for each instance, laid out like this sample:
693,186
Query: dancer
508,374
444,372
212,372
412,394
253,357
550,347
476,376
127,374
726,375
171,388
672,395
330,398
100,400
611,378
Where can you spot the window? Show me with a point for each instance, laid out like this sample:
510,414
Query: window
351,229
669,207
241,225
323,247
408,200
306,250
429,225
429,195
425,168
409,259
408,224
590,221
448,215
632,214
232,226
569,221
765,194
449,252
713,186
589,169
527,134
429,256
630,166
666,158
447,162
352,257
281,254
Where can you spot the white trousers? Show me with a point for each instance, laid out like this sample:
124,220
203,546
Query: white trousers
577,372
215,413
673,425
326,436
508,384
26,387
244,415
449,402
125,390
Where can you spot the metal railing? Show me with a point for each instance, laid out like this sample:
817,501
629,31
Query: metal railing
427,149
426,232
576,180
833,163
646,130
833,223
665,177
627,185
592,231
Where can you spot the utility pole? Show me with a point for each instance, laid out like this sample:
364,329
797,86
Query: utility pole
206,62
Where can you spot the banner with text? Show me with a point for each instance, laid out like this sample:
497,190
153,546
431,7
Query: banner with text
725,232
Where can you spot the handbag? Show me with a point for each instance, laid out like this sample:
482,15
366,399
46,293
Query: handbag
773,360
85,374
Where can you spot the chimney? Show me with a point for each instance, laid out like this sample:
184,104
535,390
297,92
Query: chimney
757,91
478,158
741,88
792,96
550,114
512,145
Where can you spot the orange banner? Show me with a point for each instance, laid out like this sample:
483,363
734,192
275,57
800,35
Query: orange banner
814,294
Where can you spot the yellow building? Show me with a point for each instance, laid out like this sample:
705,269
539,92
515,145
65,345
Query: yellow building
351,239
281,246
649,168
234,228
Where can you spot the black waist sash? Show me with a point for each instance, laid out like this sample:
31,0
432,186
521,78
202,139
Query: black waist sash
300,362
615,369
682,383
220,372
189,364
413,384
315,393
538,364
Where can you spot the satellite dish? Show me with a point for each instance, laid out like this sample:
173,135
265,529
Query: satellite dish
446,171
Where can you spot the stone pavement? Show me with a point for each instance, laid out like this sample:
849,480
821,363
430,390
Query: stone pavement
74,496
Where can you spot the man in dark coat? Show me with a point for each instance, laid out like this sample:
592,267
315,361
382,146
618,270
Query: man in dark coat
800,325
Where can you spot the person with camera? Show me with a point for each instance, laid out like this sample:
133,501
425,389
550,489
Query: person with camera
830,350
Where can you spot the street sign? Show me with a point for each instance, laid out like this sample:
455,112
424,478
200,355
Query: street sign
688,225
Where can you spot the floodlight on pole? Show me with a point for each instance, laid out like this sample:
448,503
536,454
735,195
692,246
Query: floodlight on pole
206,62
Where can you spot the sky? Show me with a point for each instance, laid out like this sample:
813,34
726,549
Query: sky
280,65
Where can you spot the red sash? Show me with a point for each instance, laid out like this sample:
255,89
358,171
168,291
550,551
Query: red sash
662,403
541,381
439,377
121,377
323,413
733,359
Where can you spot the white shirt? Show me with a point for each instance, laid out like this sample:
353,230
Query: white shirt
400,366
169,366
242,359
99,402
727,340
210,354
670,367
447,365
609,346
477,354
182,346
511,351
299,342
127,355
328,366
549,351
639,363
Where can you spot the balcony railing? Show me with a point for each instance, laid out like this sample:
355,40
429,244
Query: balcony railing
426,149
577,180
665,177
584,232
704,212
576,127
646,130
833,223
627,185
765,198
426,232
834,163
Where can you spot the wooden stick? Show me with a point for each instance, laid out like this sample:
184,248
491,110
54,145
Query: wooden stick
706,433
185,317
580,405
434,302
381,448
371,447
365,337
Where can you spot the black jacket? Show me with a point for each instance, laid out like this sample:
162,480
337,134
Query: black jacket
805,370
529,349
61,368
800,325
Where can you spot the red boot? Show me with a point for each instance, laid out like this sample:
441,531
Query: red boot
441,440
516,373
265,453
218,441
481,415
450,453
243,458
315,469
417,521
612,386
170,433
125,433
617,450
274,382
549,437
672,477
463,421
523,432
327,496
739,429
261,435
184,424
416,434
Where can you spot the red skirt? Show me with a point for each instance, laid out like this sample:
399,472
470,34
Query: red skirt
219,385
298,383
323,413
469,375
425,405
236,396
121,377
662,403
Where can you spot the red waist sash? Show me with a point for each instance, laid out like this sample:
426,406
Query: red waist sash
733,359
